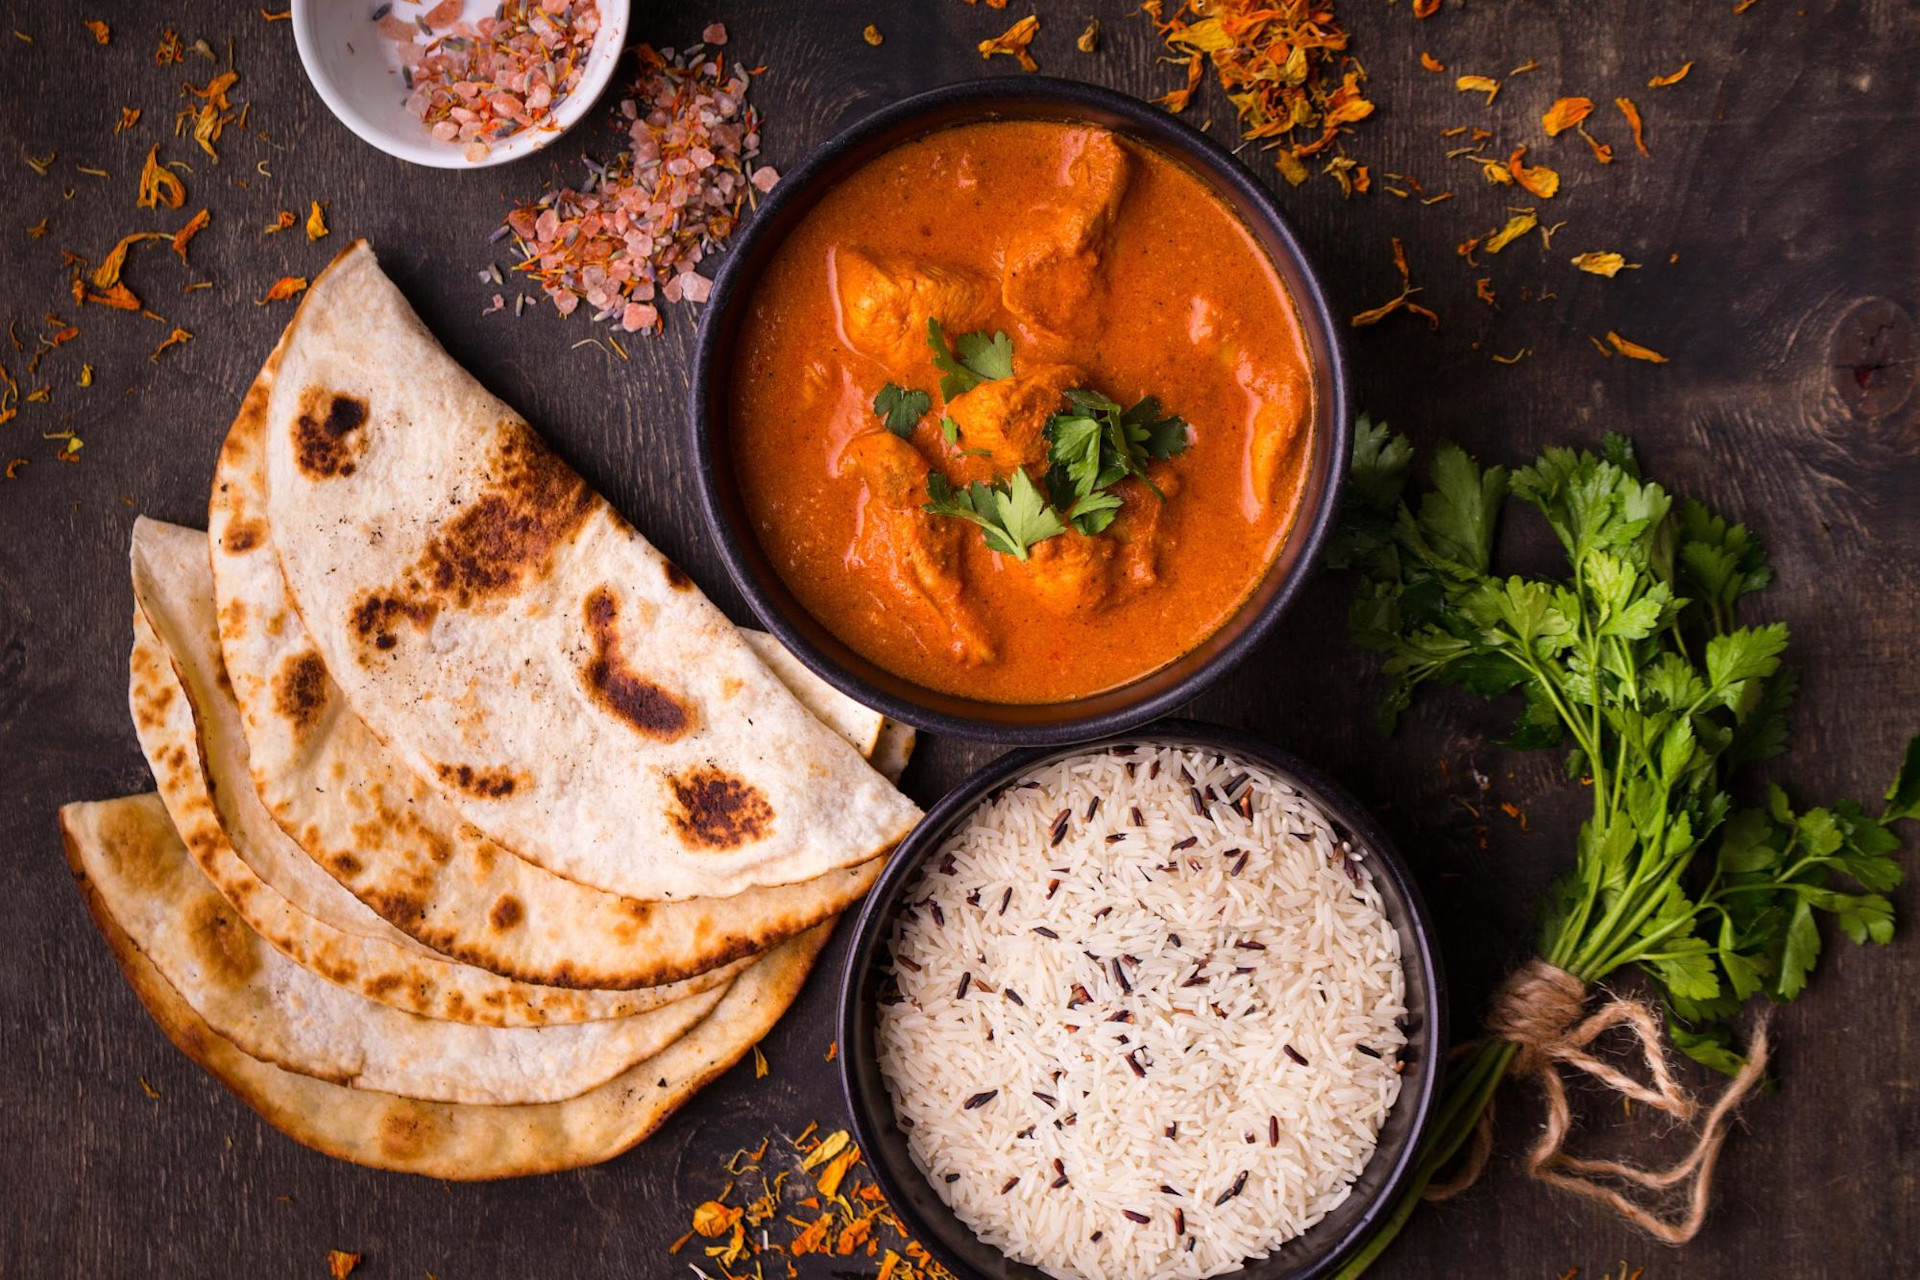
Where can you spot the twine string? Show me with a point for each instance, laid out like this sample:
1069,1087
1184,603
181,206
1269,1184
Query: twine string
1540,1008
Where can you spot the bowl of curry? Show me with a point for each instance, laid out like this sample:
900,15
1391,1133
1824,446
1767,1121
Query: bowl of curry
1019,412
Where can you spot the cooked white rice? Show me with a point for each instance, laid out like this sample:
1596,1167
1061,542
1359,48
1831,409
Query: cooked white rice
1262,986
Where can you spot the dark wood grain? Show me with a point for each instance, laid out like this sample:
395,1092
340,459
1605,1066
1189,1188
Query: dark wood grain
1785,175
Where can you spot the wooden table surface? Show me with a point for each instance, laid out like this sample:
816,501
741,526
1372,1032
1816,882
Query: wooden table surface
1776,223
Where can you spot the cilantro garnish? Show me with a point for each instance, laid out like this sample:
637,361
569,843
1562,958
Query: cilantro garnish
902,408
982,358
1013,514
1095,444
1631,660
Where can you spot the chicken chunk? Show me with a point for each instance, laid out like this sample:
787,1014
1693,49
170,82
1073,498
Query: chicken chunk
1139,529
1279,421
1051,277
1008,417
916,553
1071,573
884,306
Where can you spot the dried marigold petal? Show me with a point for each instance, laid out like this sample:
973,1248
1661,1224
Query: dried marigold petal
712,1219
173,339
1177,100
1479,84
1089,39
281,222
129,117
1425,8
195,225
1675,77
1432,63
1014,41
282,289
1632,113
107,274
873,36
160,185
101,31
1483,290
1634,350
1564,114
316,222
1518,225
1604,264
1601,151
1537,179
340,1263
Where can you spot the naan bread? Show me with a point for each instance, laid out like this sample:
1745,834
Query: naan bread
401,848
519,645
274,1010
440,1140
189,729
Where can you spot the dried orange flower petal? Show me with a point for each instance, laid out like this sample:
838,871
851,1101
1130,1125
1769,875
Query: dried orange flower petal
1634,350
101,31
1014,41
1632,113
873,36
1089,40
1537,179
1432,63
316,222
1518,225
1604,264
1564,114
160,185
174,339
282,289
194,226
1479,84
1661,82
340,1263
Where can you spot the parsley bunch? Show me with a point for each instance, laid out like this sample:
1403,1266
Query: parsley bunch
1632,662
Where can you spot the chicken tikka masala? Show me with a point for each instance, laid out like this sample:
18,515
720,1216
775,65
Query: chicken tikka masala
1021,411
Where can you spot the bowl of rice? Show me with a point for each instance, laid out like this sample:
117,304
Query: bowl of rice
1165,1005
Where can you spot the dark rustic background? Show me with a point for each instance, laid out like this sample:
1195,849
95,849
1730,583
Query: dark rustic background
1785,176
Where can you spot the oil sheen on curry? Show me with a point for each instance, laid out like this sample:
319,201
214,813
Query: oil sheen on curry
1021,411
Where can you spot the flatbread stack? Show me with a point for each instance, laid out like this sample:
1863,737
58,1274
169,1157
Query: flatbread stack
481,839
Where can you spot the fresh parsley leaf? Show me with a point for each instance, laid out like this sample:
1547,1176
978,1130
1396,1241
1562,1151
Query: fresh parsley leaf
1096,444
1903,797
1012,515
1093,513
982,358
902,408
988,357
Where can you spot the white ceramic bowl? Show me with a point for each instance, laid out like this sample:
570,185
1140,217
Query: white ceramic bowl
353,68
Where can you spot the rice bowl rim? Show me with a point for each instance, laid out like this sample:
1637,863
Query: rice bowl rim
1315,1252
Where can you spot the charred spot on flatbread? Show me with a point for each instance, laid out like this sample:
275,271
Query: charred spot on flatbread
676,576
220,941
651,710
485,783
243,535
506,913
716,810
512,528
376,619
531,503
300,690
326,436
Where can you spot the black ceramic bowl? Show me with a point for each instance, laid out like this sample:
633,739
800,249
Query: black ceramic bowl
1316,1252
1132,704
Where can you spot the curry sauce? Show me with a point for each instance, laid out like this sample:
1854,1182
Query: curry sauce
1111,269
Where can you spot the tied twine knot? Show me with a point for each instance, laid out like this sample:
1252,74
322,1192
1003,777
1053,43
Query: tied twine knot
1539,1008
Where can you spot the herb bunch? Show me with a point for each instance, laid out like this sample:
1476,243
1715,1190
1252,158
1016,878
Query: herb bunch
1633,662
